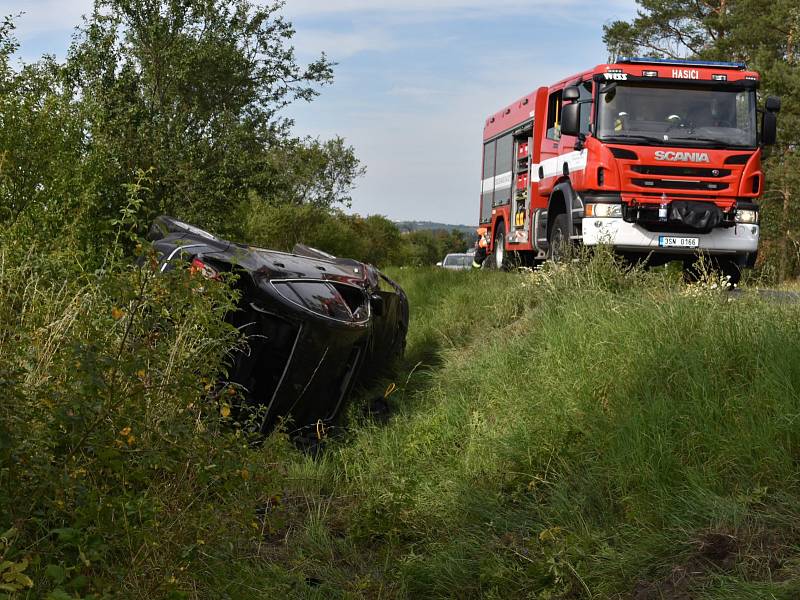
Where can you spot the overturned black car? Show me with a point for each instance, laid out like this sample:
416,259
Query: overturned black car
315,325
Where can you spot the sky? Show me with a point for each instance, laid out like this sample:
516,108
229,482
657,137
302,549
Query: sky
414,81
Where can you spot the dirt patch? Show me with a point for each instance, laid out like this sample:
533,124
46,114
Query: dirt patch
673,587
714,551
758,554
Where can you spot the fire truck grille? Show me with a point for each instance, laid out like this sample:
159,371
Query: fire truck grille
679,184
679,171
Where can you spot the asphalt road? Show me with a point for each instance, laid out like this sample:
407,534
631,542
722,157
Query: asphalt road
772,295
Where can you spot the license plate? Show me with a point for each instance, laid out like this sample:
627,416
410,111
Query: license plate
668,241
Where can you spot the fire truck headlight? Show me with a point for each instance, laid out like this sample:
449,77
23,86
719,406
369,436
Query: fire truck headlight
749,217
602,210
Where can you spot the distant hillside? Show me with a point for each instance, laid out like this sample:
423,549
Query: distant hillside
469,230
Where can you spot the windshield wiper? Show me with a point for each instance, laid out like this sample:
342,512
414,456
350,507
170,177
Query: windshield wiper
623,138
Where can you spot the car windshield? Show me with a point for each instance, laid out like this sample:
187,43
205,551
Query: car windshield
458,260
679,116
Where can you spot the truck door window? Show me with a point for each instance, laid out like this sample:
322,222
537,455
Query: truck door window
502,170
488,175
554,116
586,106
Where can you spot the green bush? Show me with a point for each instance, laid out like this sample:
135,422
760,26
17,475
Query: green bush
120,471
374,239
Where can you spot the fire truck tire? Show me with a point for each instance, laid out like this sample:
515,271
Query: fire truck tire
499,251
732,269
725,267
559,239
691,273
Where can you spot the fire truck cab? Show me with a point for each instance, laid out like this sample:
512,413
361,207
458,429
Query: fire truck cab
659,159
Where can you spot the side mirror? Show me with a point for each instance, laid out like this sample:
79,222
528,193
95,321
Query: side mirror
769,128
571,93
773,104
571,119
439,264
377,304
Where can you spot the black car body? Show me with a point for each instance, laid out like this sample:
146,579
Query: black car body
315,325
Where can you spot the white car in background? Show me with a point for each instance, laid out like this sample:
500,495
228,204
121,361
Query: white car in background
456,262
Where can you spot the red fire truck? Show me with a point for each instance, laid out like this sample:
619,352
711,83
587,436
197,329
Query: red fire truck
660,159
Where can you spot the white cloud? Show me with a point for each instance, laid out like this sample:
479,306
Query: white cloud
318,7
343,44
42,16
423,161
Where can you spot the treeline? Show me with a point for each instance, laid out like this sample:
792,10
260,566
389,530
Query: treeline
374,239
175,107
765,34
161,107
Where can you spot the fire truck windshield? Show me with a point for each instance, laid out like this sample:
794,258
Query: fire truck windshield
636,113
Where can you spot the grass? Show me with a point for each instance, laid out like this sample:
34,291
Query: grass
577,433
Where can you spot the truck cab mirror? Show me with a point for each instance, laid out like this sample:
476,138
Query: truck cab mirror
571,119
571,93
773,104
769,128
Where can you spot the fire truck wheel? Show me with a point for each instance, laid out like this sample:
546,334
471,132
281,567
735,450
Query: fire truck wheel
559,239
694,270
500,254
732,269
691,272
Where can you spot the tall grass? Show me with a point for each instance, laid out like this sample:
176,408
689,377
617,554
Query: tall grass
121,473
583,432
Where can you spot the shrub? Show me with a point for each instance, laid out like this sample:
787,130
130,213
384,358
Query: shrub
120,471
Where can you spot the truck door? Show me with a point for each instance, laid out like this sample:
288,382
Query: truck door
567,143
487,182
550,143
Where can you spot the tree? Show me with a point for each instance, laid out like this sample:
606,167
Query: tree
189,92
192,89
40,146
310,171
672,28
